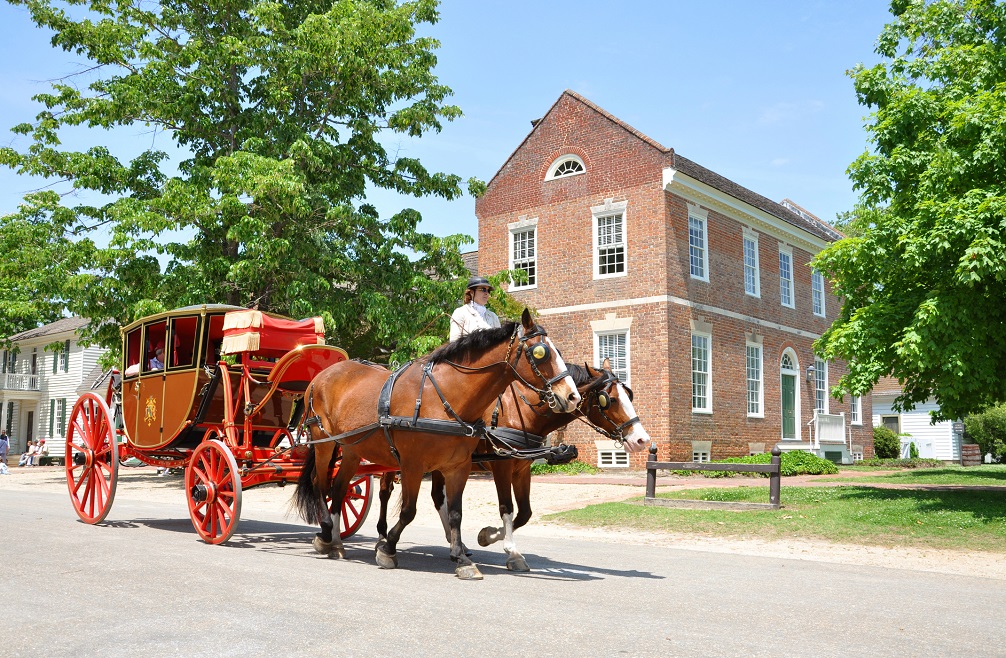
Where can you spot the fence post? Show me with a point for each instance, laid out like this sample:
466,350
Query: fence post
775,477
651,473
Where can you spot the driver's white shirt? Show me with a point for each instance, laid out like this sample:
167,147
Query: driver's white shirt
467,319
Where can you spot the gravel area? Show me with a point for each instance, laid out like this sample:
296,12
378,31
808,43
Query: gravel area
558,493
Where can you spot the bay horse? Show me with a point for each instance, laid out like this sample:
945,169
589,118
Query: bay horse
447,390
606,406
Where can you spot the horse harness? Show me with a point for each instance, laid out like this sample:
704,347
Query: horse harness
535,354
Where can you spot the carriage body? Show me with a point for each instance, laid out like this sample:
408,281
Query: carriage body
223,403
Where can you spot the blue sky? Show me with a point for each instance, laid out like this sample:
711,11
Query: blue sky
755,91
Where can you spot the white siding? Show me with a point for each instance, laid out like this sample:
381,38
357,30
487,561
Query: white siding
917,424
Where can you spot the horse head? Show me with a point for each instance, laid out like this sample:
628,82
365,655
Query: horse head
609,407
539,360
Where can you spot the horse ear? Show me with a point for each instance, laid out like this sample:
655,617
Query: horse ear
606,364
525,319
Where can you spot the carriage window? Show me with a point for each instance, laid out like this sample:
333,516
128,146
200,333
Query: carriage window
214,338
184,334
153,341
133,353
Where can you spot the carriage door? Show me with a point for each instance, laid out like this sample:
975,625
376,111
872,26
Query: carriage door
149,387
788,374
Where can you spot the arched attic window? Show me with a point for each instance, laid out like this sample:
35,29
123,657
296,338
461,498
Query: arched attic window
565,165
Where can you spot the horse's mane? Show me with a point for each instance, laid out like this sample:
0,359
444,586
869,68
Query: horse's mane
580,375
472,345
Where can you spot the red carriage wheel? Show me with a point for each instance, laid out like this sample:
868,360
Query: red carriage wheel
92,460
355,505
213,484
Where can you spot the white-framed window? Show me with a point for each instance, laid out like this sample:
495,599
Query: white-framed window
565,165
701,374
856,411
786,276
614,346
61,426
754,380
524,250
821,386
698,243
609,239
752,283
817,292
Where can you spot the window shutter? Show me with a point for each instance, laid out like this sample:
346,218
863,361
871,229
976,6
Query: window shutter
66,356
55,360
62,415
52,416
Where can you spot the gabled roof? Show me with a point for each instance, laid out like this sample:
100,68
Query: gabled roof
808,223
471,261
58,327
887,386
805,221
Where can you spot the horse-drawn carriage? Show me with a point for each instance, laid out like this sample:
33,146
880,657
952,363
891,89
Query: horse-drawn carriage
241,398
216,390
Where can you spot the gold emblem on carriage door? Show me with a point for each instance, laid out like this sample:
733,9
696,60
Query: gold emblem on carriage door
150,414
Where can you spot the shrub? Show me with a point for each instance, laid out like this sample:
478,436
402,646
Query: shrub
988,430
886,444
913,451
572,468
794,462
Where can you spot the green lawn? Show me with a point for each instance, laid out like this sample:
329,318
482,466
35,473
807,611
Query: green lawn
988,475
848,514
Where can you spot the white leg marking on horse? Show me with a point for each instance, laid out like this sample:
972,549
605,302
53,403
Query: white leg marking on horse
508,543
444,516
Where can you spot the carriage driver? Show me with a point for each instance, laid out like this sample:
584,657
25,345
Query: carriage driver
473,314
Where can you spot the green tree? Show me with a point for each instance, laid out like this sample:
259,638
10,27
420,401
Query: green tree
988,430
923,281
280,108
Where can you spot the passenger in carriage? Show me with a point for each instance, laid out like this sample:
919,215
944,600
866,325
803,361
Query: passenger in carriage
157,362
473,314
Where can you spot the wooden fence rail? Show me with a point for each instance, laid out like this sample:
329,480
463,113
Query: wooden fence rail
774,481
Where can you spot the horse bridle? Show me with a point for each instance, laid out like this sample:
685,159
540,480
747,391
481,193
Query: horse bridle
535,354
602,400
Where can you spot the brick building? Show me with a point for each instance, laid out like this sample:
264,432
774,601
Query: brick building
697,289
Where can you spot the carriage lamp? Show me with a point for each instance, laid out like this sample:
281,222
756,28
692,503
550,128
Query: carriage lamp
810,373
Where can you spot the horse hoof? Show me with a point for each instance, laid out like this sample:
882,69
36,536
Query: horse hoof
517,563
324,547
386,561
485,536
468,572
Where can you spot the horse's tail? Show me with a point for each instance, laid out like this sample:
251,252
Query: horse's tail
307,498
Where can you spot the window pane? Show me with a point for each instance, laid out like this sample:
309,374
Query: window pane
750,266
820,385
611,248
700,372
524,256
614,348
817,287
697,247
785,279
754,370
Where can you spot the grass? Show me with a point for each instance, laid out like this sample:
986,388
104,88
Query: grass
955,520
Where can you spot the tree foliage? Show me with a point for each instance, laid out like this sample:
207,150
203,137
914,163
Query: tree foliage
923,277
988,430
280,108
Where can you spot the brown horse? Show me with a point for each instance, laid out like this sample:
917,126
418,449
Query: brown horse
606,405
450,388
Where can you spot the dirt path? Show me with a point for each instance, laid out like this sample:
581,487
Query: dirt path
560,493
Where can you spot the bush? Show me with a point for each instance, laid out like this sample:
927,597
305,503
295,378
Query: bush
886,444
572,468
913,451
988,430
794,462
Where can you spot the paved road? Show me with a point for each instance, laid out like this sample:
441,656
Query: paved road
143,584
